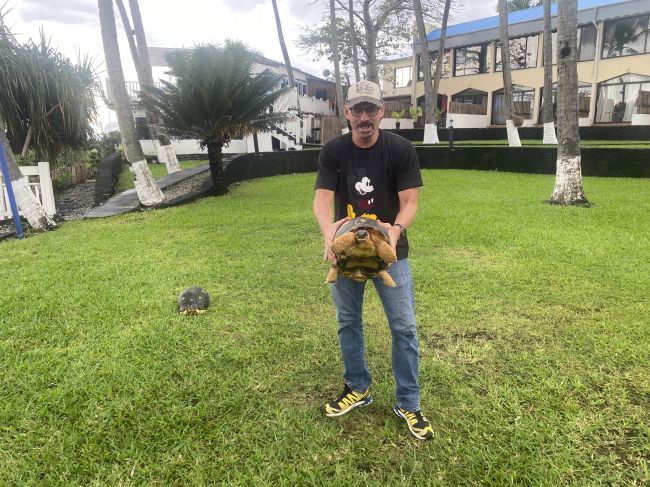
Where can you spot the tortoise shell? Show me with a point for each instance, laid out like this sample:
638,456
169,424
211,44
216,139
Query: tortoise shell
193,301
360,261
362,223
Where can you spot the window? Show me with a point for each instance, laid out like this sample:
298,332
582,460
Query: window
584,100
522,97
523,53
471,60
586,43
626,37
403,77
469,102
446,65
621,97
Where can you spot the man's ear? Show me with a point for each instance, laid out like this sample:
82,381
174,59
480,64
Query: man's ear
346,112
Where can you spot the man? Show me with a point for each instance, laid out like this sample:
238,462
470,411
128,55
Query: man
372,173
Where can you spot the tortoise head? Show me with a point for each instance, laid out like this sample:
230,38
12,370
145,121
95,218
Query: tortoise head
361,235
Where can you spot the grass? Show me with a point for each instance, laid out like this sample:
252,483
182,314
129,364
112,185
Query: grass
125,180
533,325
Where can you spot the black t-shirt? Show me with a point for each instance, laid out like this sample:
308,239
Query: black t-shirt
366,180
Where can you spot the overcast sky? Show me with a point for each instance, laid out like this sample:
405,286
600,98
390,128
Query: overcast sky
73,25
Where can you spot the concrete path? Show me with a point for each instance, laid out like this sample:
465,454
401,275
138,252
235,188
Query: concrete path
128,200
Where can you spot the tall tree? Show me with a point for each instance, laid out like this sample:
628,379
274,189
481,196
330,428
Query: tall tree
382,28
334,45
514,5
568,178
353,41
148,191
11,77
431,92
205,105
513,133
140,54
287,64
547,106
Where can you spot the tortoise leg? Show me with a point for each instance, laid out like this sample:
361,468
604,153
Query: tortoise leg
331,275
384,250
386,279
343,242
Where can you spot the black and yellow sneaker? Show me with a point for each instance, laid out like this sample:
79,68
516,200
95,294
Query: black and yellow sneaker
346,402
418,424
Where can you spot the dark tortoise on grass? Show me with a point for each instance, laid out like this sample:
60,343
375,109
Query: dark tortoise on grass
363,251
193,301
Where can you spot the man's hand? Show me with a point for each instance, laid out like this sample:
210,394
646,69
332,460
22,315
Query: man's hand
328,237
394,233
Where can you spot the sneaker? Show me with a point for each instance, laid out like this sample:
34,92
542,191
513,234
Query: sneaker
346,402
418,424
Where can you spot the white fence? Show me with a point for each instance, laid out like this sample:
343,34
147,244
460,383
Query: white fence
40,183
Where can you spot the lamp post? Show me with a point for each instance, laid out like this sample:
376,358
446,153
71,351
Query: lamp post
451,133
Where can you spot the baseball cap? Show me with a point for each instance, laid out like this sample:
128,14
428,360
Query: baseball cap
364,91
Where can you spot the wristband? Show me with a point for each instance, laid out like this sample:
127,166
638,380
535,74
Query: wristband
402,229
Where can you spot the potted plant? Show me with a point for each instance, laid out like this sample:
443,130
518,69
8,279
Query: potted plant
397,116
416,113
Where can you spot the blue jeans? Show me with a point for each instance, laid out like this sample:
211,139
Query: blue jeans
399,305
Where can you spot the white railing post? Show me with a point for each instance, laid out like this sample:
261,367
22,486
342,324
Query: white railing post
47,191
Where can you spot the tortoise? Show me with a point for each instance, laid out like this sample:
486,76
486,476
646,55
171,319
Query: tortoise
193,301
363,251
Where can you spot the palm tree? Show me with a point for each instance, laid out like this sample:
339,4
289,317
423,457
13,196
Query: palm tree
12,77
514,5
547,106
334,45
353,41
431,92
215,99
287,63
513,134
140,55
148,191
568,178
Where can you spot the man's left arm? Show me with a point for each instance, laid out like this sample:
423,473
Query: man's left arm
408,207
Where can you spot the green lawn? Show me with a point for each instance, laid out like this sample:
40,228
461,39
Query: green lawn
125,180
533,325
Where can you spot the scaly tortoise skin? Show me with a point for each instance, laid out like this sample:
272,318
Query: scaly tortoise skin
193,301
363,251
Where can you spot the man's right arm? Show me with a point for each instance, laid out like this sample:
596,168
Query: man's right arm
323,200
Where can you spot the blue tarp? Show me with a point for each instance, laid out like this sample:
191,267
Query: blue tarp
517,17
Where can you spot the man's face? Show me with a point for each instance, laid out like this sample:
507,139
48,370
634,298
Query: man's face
364,119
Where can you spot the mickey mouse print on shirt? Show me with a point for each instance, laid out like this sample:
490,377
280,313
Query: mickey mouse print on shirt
363,189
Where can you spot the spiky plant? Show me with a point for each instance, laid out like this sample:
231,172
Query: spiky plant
215,98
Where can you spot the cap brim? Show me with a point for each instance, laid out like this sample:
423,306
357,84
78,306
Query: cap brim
364,99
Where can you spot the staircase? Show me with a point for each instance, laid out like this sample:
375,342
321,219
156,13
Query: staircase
290,130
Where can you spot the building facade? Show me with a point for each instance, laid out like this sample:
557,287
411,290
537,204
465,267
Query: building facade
613,67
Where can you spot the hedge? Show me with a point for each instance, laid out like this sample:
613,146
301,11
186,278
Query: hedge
610,162
593,132
108,171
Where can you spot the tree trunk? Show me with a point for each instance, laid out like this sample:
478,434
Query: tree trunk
568,178
148,191
547,106
353,42
431,92
513,134
215,158
337,69
164,150
27,202
371,39
287,63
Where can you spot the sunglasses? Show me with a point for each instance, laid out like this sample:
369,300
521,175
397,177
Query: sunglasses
371,110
